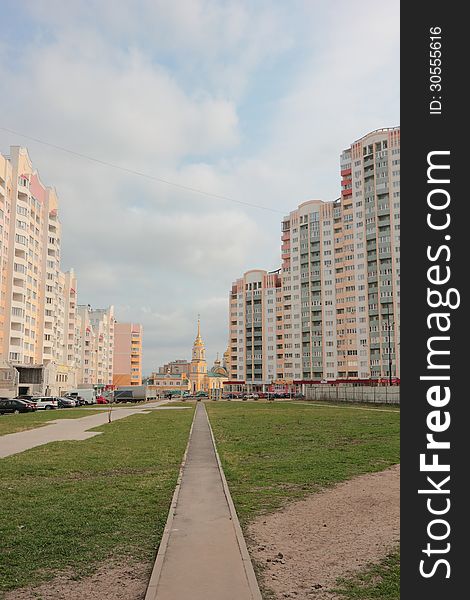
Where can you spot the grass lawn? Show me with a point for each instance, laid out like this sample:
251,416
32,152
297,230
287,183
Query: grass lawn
353,405
378,582
24,421
274,453
72,505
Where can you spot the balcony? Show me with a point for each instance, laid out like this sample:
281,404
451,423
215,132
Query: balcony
383,211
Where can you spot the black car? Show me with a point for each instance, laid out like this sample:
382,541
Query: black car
14,405
66,402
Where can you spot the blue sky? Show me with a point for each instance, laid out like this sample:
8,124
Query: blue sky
249,100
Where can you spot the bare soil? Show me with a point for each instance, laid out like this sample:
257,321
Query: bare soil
301,550
114,581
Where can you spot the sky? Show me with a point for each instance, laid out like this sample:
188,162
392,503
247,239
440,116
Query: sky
252,101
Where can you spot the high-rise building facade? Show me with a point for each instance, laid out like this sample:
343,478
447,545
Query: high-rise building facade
97,345
256,328
86,370
6,194
127,361
338,302
370,206
308,266
48,344
71,348
23,342
33,294
102,320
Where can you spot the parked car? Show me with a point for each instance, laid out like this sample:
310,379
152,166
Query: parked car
46,402
250,397
16,405
101,400
79,400
66,403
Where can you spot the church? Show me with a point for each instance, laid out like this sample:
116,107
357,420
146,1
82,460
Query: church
200,379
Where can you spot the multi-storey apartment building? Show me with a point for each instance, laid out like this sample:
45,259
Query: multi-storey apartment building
47,345
33,287
370,202
102,320
52,282
71,348
308,291
6,191
127,361
86,370
256,328
27,240
338,307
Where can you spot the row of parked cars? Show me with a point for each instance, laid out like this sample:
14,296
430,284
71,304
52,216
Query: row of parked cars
265,395
24,404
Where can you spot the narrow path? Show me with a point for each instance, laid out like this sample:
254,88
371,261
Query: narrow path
202,555
63,430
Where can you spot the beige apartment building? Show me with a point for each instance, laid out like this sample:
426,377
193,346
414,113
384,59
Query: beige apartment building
370,203
308,291
256,340
71,341
102,321
96,344
127,361
24,301
32,305
48,344
6,194
86,343
338,291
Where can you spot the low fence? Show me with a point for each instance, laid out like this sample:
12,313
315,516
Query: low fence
384,394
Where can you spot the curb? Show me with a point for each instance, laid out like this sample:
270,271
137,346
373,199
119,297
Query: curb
247,564
151,592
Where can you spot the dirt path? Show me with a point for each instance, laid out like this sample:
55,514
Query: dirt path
308,545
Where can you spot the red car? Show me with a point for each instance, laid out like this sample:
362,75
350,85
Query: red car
101,400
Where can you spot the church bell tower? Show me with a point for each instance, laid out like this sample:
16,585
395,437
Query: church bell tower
198,369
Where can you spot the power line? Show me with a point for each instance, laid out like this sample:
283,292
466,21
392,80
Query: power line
140,174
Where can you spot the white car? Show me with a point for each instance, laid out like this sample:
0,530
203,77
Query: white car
45,402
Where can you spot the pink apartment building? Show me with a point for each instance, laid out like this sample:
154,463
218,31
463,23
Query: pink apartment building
127,363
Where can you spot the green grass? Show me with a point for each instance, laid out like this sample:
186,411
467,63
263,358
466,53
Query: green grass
354,405
377,582
275,453
13,423
72,505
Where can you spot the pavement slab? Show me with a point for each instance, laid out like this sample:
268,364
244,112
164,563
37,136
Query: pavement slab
203,554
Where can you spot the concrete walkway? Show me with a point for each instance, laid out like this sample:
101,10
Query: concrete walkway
64,429
203,554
